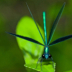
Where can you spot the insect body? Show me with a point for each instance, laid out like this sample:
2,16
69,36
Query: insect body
46,49
47,43
46,54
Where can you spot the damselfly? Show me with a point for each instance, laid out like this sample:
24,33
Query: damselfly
46,55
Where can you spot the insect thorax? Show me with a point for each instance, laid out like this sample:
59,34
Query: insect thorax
46,50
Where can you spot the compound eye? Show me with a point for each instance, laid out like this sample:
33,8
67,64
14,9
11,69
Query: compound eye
43,56
50,56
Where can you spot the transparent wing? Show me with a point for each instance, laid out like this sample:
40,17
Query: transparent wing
35,23
26,38
55,23
60,40
44,22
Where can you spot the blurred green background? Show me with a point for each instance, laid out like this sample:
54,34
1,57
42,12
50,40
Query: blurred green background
11,11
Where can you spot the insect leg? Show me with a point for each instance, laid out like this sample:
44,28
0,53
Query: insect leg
38,61
53,62
41,64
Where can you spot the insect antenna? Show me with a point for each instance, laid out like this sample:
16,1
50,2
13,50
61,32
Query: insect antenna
35,23
55,23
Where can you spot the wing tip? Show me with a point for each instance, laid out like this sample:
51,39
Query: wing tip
6,32
64,4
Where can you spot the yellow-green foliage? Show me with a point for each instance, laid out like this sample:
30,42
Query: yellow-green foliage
26,27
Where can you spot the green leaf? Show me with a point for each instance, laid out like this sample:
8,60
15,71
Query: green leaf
31,51
45,68
69,71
